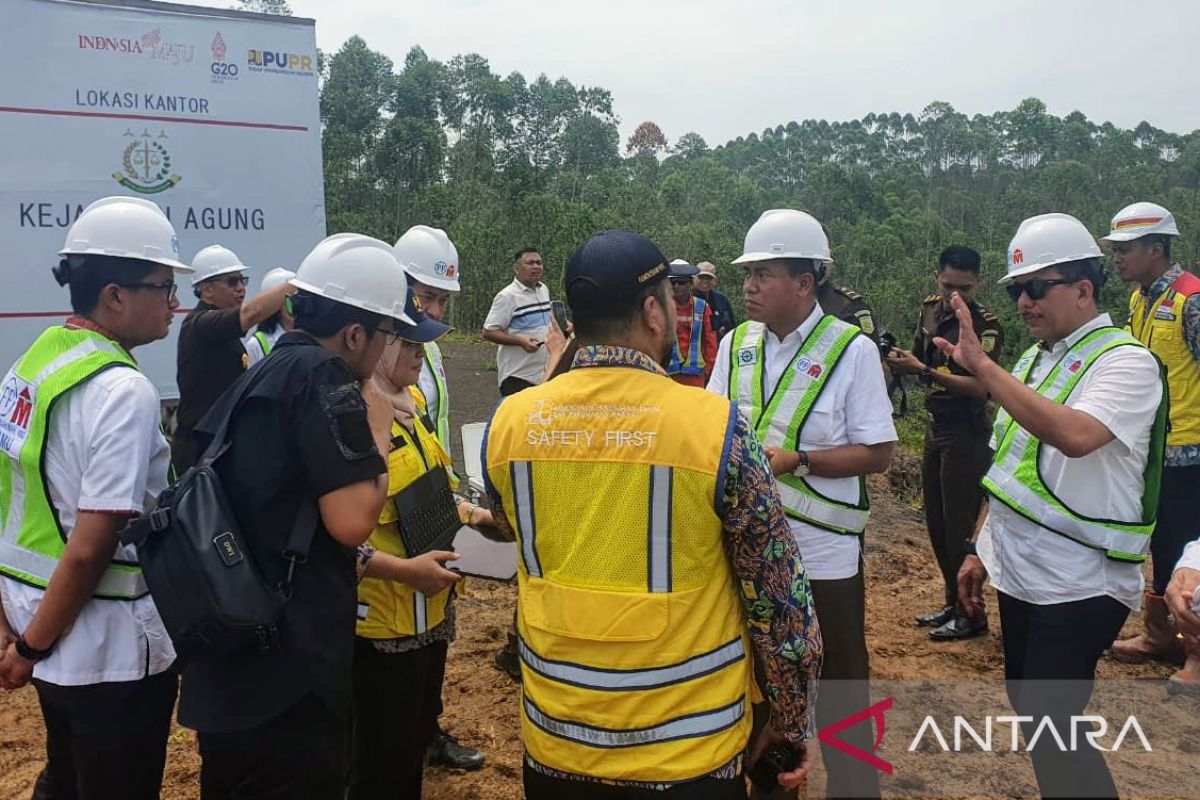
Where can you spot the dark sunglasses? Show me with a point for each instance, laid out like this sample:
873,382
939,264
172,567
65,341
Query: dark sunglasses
1036,289
234,281
681,281
170,288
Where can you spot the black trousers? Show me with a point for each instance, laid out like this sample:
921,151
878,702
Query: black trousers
106,741
1176,521
397,697
512,385
544,787
299,755
1050,655
953,463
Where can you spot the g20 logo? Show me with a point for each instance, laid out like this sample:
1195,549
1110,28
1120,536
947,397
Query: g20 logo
222,70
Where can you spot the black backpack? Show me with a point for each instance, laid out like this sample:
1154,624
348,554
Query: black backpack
212,597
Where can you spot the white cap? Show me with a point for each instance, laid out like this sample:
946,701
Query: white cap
428,256
1141,219
125,227
276,277
1046,240
214,261
356,270
785,233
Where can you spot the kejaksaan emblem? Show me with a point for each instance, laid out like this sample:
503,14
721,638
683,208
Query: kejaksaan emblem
146,165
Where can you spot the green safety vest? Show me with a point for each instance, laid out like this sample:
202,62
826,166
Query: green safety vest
32,539
779,418
264,342
1015,475
438,407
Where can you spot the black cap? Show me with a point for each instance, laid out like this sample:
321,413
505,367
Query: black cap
426,328
611,267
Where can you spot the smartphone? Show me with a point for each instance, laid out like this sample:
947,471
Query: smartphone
559,309
778,758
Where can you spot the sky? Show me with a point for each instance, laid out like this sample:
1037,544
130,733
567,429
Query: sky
725,68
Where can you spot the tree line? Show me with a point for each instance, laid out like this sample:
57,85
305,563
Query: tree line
503,162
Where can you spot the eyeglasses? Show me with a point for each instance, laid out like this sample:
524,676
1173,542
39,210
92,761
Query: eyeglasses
234,281
392,334
1037,289
681,281
170,288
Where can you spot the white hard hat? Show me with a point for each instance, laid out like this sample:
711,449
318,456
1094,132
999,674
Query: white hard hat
1046,240
125,227
785,233
214,261
1141,219
428,256
276,277
356,270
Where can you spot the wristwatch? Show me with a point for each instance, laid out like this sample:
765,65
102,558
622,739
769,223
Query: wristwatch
29,654
802,468
926,377
969,548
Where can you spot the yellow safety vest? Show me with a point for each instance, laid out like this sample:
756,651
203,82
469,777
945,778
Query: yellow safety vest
632,636
1159,325
387,609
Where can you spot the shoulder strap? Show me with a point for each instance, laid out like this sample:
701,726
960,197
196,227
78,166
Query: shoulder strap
1186,284
226,405
299,542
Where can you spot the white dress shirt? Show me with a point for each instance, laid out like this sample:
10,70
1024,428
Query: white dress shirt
1122,390
853,409
520,310
104,452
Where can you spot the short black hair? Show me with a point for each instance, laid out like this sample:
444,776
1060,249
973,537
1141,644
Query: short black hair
89,274
525,250
1159,238
797,267
322,317
269,324
607,320
956,256
1085,269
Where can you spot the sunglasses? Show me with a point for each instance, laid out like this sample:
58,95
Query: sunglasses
234,281
1036,289
170,288
681,281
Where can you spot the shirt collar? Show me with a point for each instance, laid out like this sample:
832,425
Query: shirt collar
83,323
608,355
524,288
1099,321
1164,281
801,333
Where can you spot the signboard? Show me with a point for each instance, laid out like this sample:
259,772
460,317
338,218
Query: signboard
211,114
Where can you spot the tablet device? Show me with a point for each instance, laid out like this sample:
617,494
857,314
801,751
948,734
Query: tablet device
481,557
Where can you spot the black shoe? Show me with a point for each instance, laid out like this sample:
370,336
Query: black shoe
445,751
936,619
508,662
959,628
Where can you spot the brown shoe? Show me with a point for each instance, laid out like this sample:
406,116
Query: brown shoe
1187,680
1159,640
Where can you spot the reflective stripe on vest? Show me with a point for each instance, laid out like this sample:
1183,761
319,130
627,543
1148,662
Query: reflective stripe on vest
438,407
31,539
1015,475
691,726
695,361
779,420
264,342
622,680
522,485
1158,324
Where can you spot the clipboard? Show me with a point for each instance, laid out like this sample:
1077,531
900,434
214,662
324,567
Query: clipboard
481,557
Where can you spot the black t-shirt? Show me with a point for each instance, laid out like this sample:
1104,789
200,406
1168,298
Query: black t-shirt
302,432
210,358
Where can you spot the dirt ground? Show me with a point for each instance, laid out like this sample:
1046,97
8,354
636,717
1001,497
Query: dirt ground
481,703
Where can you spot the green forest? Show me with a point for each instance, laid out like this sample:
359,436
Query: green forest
503,162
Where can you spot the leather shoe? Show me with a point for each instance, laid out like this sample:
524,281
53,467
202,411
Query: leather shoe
936,619
959,628
508,662
445,751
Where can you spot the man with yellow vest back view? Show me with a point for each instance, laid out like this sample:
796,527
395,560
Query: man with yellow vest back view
811,386
1164,315
1071,490
81,452
649,534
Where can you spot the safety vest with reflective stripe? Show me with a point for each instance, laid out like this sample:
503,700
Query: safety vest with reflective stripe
389,609
1015,475
778,418
632,637
695,359
1158,324
438,407
32,539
